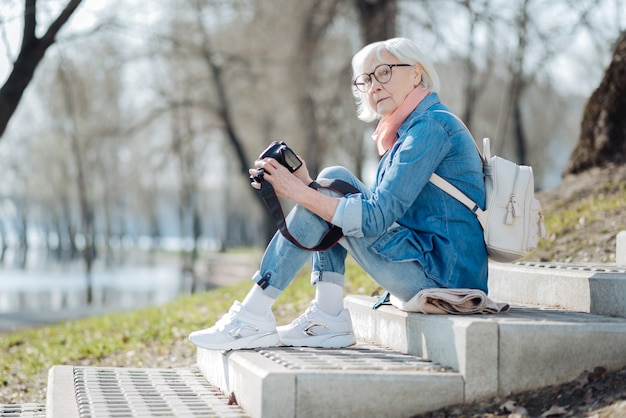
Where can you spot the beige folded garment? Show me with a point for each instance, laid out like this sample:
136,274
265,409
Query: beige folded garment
450,301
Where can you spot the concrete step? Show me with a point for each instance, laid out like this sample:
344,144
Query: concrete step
105,392
565,319
598,289
363,381
273,382
524,348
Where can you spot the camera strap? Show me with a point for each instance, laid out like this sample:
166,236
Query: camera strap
334,233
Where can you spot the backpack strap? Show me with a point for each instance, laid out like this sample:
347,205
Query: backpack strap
447,187
454,192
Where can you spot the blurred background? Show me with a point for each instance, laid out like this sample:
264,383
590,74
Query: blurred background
124,160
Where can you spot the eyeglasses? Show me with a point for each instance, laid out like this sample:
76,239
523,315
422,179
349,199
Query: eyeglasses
382,74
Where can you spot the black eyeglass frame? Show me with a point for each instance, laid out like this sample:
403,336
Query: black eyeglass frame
373,74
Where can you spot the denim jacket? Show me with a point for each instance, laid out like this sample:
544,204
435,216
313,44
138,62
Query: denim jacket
414,219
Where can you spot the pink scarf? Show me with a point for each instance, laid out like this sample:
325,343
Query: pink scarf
385,133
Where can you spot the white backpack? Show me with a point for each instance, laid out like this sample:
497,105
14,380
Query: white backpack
512,220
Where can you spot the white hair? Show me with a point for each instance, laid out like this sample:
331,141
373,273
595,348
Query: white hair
406,52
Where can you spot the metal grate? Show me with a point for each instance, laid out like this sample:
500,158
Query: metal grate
123,392
27,410
361,358
597,268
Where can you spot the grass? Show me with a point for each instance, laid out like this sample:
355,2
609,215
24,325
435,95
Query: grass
29,353
570,216
573,218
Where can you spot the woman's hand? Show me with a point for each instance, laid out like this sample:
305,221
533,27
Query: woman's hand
303,173
284,182
295,186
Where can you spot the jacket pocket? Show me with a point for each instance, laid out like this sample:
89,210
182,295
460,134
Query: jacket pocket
397,244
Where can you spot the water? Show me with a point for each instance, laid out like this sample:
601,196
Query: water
41,295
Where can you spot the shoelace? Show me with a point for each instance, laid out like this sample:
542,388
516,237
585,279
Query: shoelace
226,319
303,317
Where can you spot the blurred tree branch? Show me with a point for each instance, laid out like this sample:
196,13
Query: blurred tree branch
30,55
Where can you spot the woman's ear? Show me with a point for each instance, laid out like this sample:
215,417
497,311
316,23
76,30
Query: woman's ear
417,75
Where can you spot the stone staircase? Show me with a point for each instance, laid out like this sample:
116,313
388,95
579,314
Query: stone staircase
564,319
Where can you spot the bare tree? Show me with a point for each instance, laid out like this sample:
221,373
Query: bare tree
518,82
603,129
232,68
210,62
72,102
317,17
478,15
193,96
537,44
31,53
19,199
188,156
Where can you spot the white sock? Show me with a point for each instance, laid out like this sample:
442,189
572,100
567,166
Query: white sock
257,302
329,297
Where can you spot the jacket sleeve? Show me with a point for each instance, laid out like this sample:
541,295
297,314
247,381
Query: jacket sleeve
401,177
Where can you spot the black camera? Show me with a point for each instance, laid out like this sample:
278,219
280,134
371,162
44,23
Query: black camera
281,153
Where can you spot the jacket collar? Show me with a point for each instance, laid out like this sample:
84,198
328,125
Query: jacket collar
428,102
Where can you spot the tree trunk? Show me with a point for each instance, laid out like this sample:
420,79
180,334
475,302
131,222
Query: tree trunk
518,125
87,215
515,89
224,112
377,19
603,129
5,245
475,81
23,242
85,201
321,16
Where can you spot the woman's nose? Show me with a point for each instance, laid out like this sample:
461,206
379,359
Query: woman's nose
375,85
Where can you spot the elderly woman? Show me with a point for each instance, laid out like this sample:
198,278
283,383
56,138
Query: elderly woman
406,233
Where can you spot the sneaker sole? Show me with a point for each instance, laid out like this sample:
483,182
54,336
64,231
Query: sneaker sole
257,341
321,341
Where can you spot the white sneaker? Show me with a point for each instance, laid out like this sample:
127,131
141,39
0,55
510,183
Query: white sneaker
315,328
236,330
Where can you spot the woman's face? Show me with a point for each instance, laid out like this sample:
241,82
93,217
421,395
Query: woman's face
385,98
